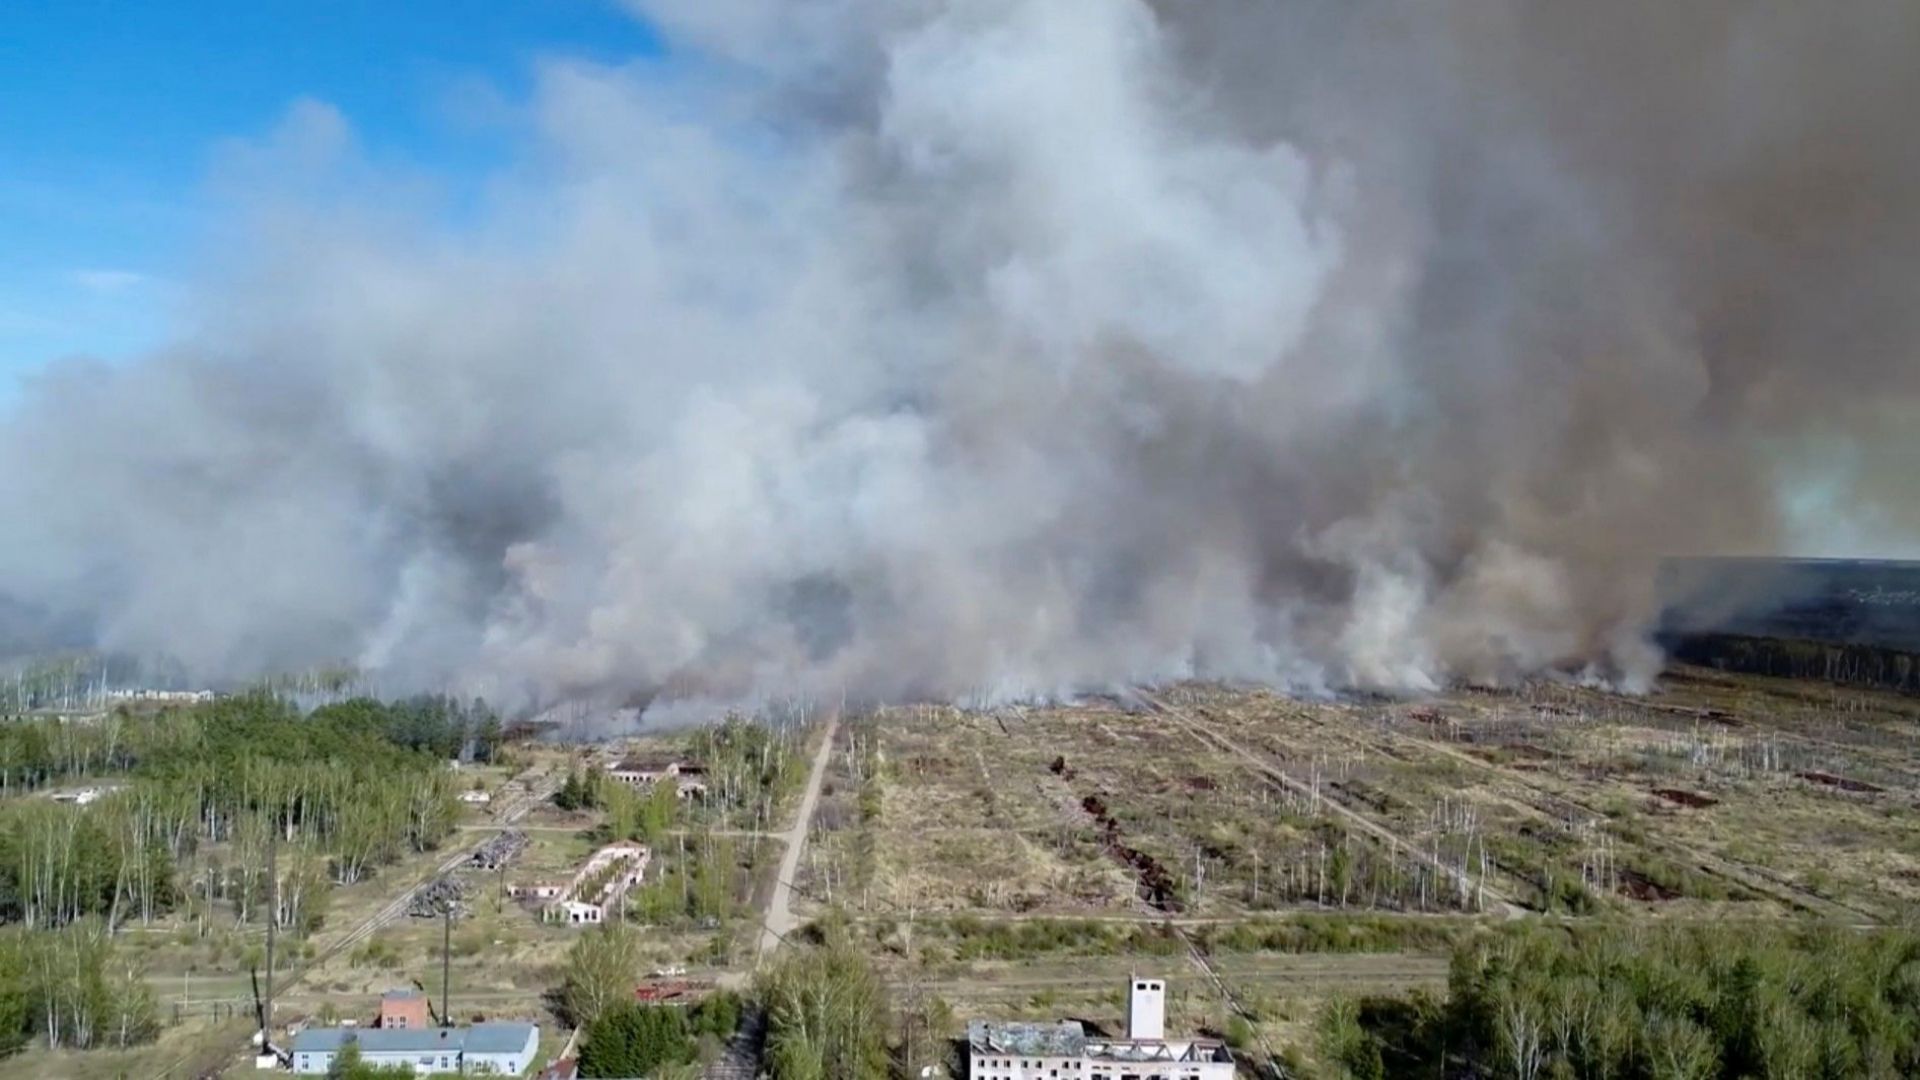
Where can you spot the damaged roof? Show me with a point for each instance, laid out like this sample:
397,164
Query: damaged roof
1064,1039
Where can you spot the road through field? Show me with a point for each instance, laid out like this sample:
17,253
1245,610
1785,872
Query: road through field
779,921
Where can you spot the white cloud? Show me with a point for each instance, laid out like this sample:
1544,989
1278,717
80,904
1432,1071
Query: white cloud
107,282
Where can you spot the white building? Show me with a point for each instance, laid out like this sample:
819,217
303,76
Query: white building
576,913
493,1049
999,1050
599,885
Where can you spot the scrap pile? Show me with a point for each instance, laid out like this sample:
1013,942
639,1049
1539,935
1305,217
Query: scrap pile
442,894
499,851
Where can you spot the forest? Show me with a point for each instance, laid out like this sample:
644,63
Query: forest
1612,1002
193,807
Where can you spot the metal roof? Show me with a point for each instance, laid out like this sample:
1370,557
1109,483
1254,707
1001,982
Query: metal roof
499,1037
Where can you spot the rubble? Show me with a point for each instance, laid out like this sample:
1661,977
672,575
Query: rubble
442,894
497,852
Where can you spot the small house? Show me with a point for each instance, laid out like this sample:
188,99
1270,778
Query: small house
404,1010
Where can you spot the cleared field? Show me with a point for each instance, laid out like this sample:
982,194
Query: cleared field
1716,796
1266,854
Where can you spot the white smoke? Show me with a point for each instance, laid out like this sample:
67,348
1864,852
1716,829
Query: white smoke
1010,347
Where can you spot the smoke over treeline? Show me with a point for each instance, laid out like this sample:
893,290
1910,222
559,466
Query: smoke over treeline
1021,346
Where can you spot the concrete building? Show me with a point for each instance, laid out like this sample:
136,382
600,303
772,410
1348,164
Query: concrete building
644,771
575,913
493,1049
998,1050
690,778
600,884
404,1009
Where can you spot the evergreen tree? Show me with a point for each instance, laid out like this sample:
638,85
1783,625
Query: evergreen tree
629,1040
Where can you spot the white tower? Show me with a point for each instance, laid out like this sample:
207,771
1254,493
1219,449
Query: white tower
1147,1010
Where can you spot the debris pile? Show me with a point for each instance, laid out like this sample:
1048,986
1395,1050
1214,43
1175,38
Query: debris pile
502,849
436,897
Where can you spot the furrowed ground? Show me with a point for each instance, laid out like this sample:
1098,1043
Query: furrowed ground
1269,853
1266,855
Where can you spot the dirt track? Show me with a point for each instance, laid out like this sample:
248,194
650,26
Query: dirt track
779,921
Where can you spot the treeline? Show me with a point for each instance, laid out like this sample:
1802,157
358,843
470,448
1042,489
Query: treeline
1681,1003
630,1039
40,752
1790,658
75,681
751,766
827,1015
71,988
204,793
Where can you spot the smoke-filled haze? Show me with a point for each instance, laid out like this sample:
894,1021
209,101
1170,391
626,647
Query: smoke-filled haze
1007,347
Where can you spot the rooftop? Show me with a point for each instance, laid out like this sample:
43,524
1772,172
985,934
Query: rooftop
1068,1038
1185,1050
1064,1039
646,763
498,1037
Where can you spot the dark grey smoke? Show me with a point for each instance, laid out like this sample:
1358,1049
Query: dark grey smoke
1020,346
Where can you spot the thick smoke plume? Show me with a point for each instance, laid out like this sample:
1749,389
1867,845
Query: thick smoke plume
1023,346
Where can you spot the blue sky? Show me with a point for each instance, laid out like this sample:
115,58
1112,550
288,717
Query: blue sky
111,113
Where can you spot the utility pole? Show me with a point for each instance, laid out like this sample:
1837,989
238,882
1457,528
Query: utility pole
273,924
446,966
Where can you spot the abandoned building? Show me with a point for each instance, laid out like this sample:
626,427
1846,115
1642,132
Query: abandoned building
600,885
644,772
1011,1050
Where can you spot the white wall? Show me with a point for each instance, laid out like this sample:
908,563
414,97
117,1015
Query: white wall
1147,1009
989,1067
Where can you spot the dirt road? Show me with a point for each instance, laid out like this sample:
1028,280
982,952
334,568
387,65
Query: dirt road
779,921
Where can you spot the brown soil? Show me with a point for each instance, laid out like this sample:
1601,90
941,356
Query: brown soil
1686,798
1841,782
1156,885
1639,887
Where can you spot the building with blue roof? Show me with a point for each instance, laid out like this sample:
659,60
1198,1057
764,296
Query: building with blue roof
501,1048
